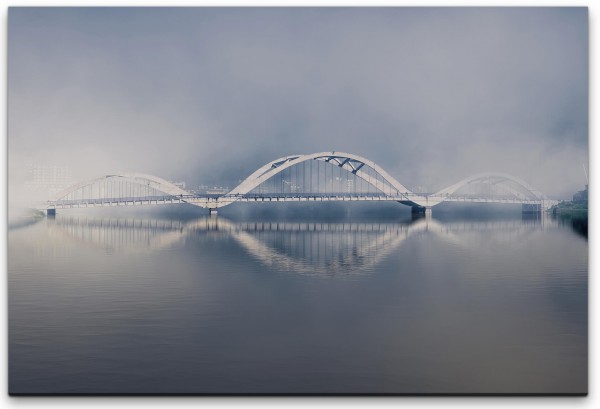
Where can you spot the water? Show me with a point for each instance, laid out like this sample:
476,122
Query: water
216,305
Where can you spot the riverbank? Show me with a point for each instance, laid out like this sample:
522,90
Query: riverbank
19,217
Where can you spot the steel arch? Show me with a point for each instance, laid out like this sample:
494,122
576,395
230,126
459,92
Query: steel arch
140,178
350,162
536,194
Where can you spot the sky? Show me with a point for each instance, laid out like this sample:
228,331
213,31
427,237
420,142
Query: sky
208,95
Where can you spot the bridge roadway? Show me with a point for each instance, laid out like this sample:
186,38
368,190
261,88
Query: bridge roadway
215,201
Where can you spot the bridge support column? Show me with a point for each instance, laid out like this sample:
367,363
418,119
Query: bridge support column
531,208
212,211
422,210
50,212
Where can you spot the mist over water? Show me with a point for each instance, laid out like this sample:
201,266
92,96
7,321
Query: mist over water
207,96
296,304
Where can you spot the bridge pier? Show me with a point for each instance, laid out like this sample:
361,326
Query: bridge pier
50,212
531,208
421,210
212,211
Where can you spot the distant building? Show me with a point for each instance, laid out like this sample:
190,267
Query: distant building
217,191
581,196
44,180
180,185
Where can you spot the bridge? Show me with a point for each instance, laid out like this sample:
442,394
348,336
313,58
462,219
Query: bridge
317,177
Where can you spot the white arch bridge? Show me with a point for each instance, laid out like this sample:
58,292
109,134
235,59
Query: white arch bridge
323,176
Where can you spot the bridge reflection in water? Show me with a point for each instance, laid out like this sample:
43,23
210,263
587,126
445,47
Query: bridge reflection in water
311,248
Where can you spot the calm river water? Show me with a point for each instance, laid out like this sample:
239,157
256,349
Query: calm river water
216,305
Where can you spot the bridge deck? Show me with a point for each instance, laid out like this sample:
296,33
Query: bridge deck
216,200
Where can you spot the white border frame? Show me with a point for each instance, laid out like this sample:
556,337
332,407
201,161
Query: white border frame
315,402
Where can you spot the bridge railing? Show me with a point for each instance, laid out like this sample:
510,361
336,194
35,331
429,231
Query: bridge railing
68,202
309,195
217,197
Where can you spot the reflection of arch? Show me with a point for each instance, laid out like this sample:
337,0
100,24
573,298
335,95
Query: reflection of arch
120,234
383,240
377,241
349,260
355,256
141,179
494,178
508,233
350,162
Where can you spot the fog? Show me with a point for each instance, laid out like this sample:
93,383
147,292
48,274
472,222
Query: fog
208,95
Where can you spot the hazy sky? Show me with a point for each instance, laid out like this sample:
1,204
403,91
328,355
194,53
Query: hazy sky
209,95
